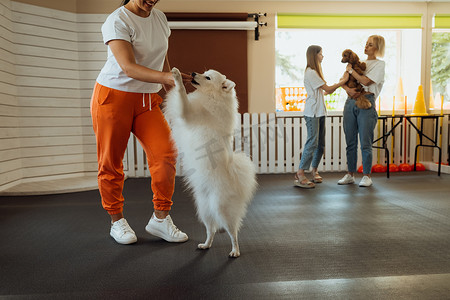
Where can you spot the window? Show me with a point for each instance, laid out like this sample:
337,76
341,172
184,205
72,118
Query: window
402,57
440,63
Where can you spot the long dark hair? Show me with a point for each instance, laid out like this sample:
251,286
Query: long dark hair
125,2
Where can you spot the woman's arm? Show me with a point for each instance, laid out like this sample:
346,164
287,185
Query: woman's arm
123,52
332,88
351,92
360,78
166,68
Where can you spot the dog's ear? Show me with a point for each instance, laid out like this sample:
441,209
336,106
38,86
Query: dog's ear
352,59
227,85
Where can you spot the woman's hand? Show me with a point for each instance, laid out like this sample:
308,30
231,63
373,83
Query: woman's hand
169,81
327,90
349,67
352,92
360,78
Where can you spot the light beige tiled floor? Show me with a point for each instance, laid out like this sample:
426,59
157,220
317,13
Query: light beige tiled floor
57,186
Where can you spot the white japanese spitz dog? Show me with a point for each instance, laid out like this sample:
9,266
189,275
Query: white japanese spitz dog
223,181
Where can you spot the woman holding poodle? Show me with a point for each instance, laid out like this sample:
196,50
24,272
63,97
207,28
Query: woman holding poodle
125,101
363,121
314,115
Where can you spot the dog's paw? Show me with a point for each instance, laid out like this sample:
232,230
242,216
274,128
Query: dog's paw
234,253
176,75
203,246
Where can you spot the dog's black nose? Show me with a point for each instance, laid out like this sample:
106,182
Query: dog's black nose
193,74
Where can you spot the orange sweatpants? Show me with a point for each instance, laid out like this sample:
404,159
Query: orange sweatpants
116,114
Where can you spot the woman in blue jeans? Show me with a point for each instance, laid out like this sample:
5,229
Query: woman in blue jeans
363,121
314,115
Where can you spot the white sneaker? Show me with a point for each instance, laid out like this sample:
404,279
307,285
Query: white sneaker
365,181
165,229
347,179
122,232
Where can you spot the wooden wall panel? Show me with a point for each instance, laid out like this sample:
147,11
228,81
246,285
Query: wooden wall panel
46,129
10,157
92,56
52,14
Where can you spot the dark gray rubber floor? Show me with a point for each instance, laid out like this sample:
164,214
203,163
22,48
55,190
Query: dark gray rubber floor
389,241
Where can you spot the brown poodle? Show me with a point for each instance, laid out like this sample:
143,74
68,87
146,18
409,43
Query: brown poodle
348,56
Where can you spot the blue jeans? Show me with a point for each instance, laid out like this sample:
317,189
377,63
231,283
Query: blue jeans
315,143
362,122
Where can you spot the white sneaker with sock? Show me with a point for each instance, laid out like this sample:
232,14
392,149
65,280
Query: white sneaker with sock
347,179
122,232
365,181
165,229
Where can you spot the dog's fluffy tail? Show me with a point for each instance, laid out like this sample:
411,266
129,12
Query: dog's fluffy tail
242,185
244,174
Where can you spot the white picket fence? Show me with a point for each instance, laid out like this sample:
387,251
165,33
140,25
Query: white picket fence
275,142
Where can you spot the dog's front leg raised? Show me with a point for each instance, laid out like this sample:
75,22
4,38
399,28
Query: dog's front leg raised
181,90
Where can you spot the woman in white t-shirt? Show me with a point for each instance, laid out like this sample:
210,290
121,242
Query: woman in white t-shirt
314,115
125,101
363,121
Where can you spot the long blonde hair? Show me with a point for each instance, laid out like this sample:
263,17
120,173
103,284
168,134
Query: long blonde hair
378,41
312,61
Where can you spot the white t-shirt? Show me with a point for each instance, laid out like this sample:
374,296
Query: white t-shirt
314,103
375,72
149,38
